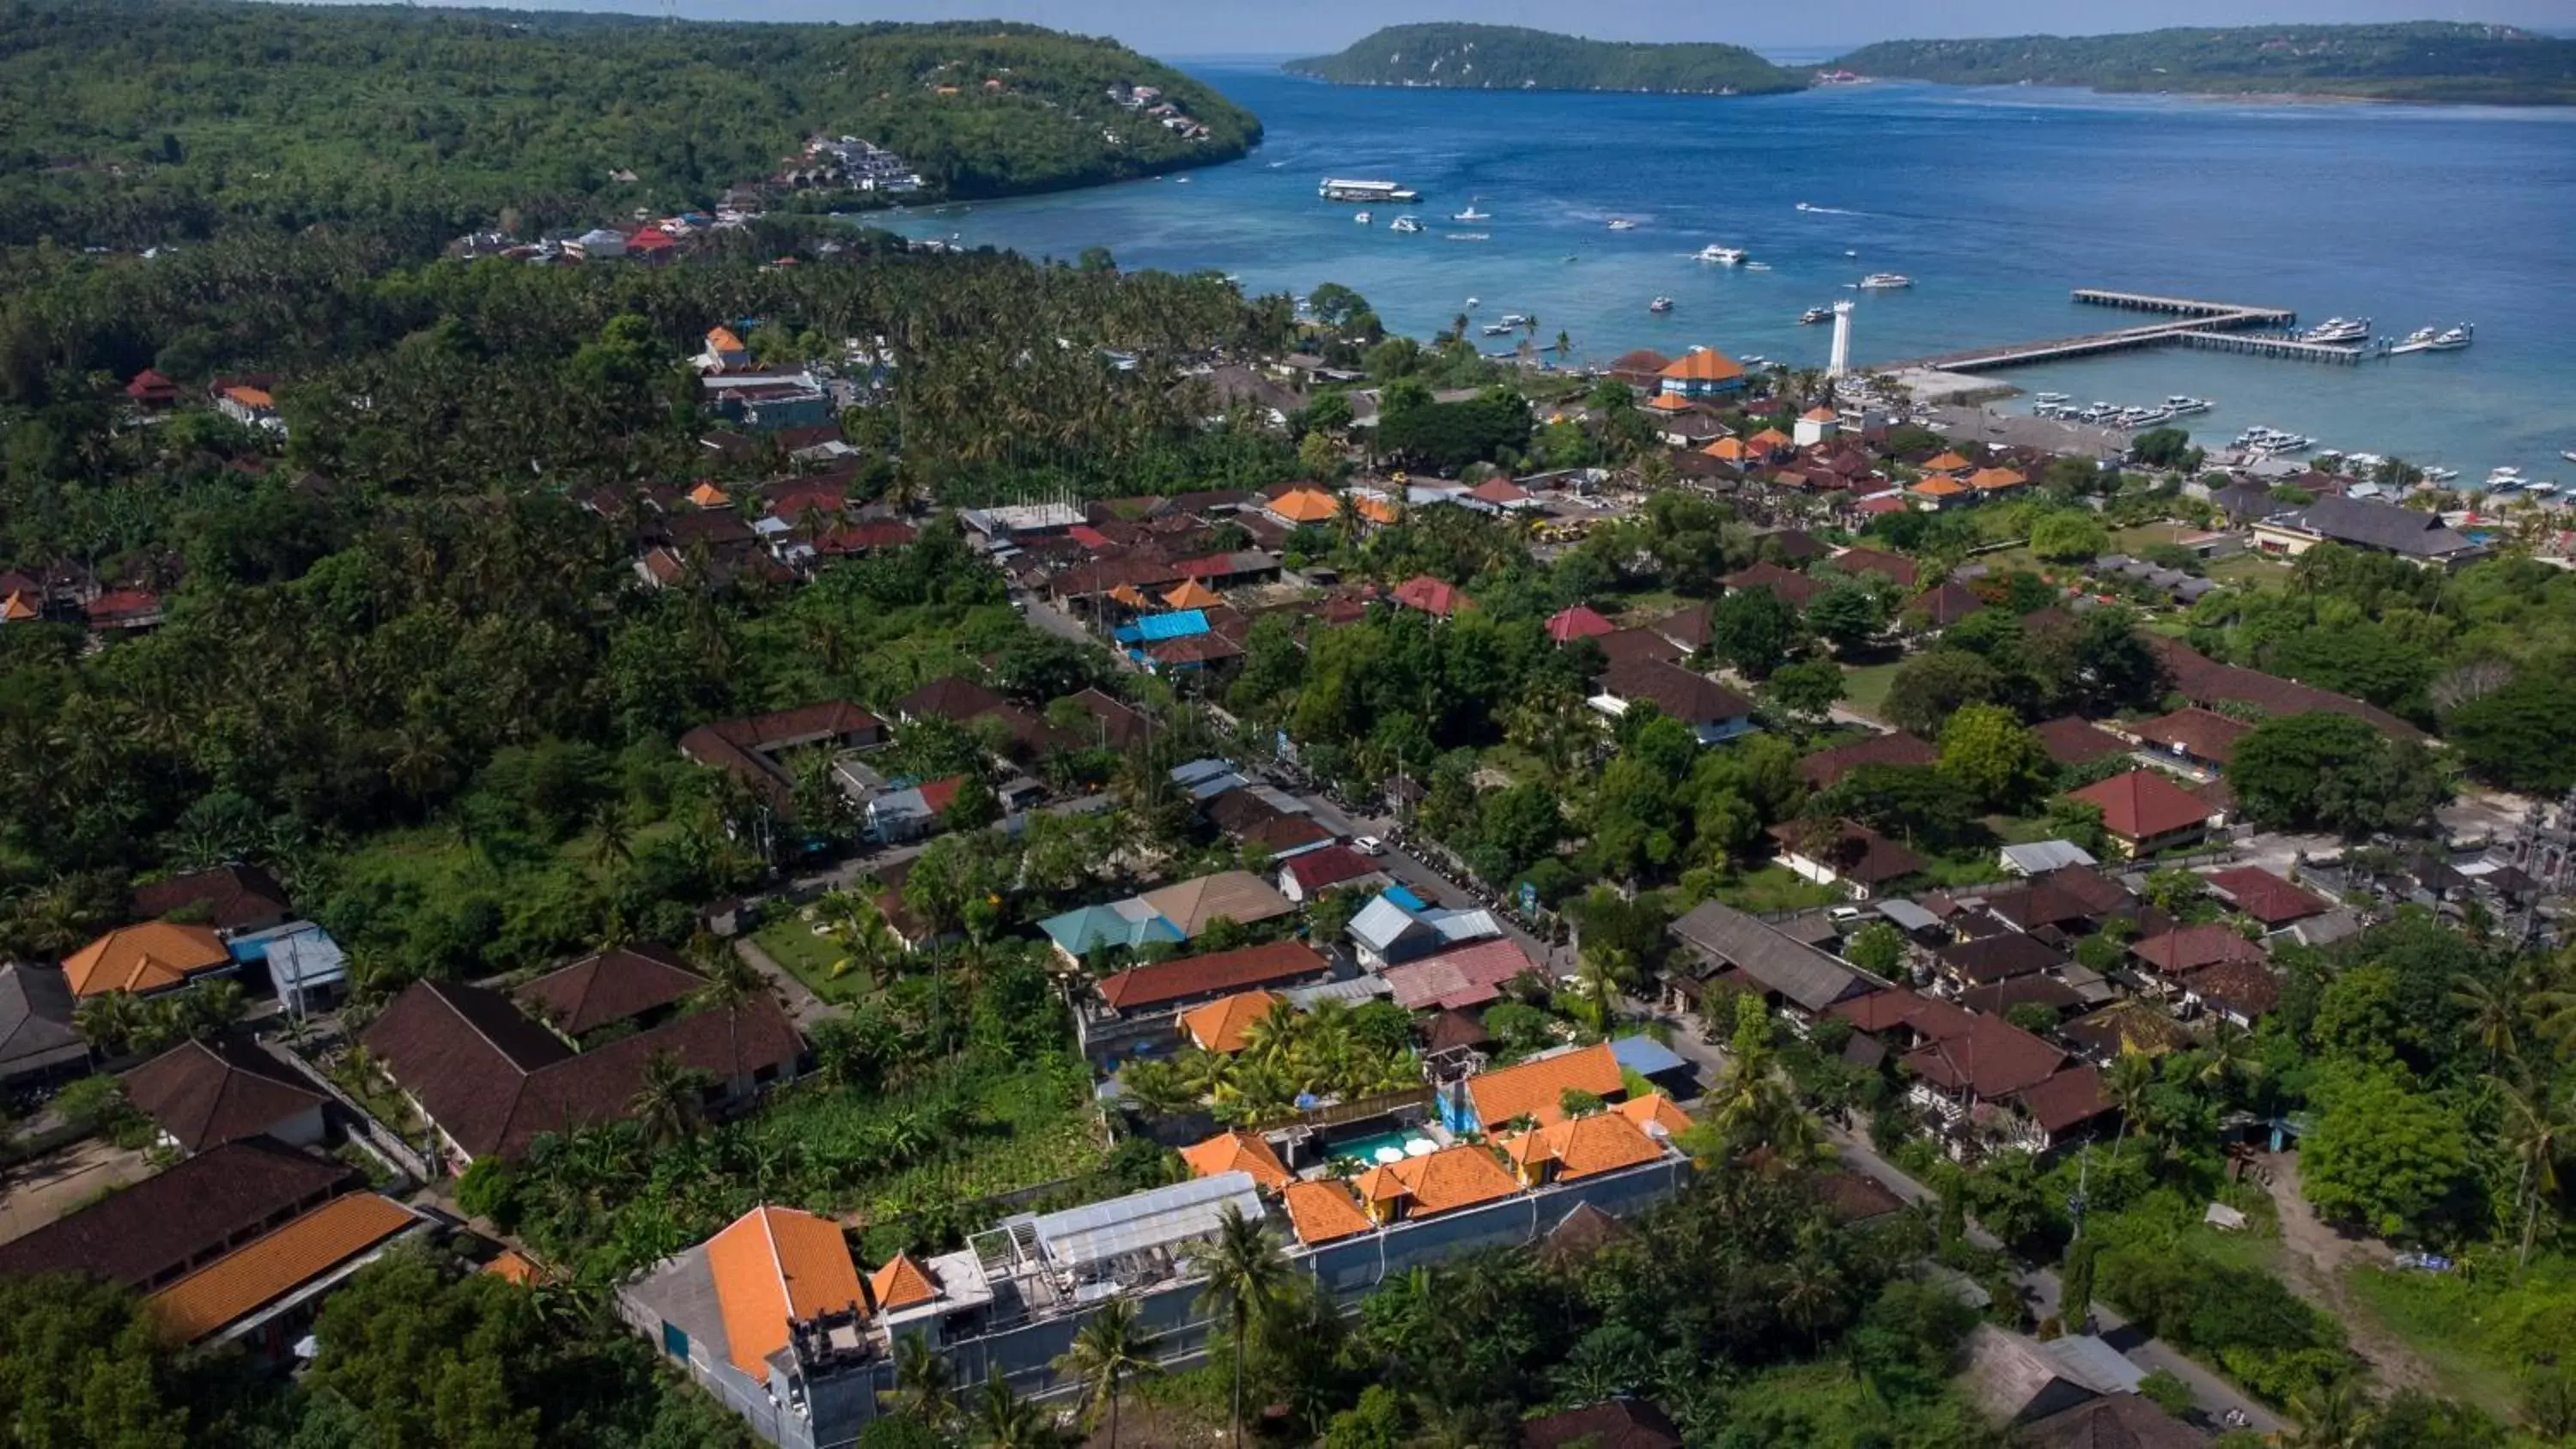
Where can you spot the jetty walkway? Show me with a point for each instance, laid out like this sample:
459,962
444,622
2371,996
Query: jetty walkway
2217,326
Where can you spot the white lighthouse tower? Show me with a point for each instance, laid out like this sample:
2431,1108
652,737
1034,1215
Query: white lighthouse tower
1842,339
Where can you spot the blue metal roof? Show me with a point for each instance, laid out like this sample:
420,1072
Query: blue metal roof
1162,628
1646,1056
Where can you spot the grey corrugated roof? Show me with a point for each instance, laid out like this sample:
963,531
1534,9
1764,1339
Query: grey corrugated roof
36,1020
1158,1217
2041,856
1801,973
1380,924
2380,525
1908,916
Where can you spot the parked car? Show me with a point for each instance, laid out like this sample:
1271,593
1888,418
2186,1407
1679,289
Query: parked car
1369,845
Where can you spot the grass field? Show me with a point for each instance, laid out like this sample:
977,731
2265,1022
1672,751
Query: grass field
1777,888
1865,689
791,943
2445,1321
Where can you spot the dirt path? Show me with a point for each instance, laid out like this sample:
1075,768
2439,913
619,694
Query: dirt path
36,1193
2315,1259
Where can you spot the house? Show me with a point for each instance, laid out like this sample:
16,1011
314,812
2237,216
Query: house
1642,368
643,985
267,1293
174,1222
1826,768
1578,1148
1991,1067
909,814
2240,991
2039,857
1244,1152
2121,1421
252,407
1396,926
127,609
1844,853
1220,1026
1945,604
1898,571
2072,742
1713,712
1432,596
154,956
1734,949
1814,427
2203,739
1458,977
1229,895
2206,682
1128,925
1322,1210
1621,1423
230,898
1578,622
203,1094
754,750
2413,534
1532,1090
1995,482
2183,950
37,1039
150,390
2144,812
1303,505
1137,1011
2266,897
2004,956
1794,589
1336,867
1701,372
305,966
490,1080
2014,1380
598,244
1422,1187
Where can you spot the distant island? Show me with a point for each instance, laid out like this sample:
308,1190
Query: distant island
165,119
1512,58
2420,61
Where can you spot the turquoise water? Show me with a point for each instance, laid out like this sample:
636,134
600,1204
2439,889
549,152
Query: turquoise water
1997,203
1365,1148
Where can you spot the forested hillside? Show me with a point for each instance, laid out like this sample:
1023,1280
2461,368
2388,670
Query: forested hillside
1507,57
132,122
2425,61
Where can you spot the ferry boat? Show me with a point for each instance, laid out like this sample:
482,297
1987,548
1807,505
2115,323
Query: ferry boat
1660,304
1471,213
2338,331
1407,224
1515,319
1722,256
2261,439
1361,216
2455,338
2441,475
2050,398
1621,223
1885,282
1814,315
1497,329
2181,403
1343,189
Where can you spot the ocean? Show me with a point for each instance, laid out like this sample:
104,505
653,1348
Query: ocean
1997,202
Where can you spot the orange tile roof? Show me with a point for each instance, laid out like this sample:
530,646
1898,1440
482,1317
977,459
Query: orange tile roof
721,340
1439,1182
16,609
1219,1025
1377,510
1946,463
1193,595
1323,1212
1305,505
1129,595
1706,365
1939,487
1727,449
147,957
1236,1152
1991,478
1771,438
773,1264
270,1267
1817,415
1602,1142
513,1267
250,397
1655,1109
900,1284
1668,402
1533,1088
708,495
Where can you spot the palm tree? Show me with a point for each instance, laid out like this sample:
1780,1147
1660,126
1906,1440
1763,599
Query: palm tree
613,844
670,1101
1156,1088
925,1387
1109,1350
108,1021
2131,1077
1245,1275
2333,1417
2538,1129
1005,1421
2494,1010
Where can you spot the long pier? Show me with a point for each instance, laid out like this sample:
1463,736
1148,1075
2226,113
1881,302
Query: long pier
2218,326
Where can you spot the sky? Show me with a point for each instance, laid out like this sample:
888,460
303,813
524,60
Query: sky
1268,27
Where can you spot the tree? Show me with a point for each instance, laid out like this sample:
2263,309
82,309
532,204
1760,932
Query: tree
2333,772
2165,448
1245,1275
2539,1129
1807,690
1752,630
2384,1156
1995,757
670,1101
1877,948
1929,688
79,1367
973,807
1109,1350
2075,1284
925,1387
1848,616
2516,736
1003,1420
2070,536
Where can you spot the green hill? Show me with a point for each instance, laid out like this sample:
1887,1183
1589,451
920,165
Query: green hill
1507,57
2421,61
131,121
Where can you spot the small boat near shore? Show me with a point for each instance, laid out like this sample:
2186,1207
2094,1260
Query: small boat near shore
1886,282
1361,217
1660,305
1406,224
1814,315
1722,256
1621,223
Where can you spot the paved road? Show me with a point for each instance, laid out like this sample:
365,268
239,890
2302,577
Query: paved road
2039,1285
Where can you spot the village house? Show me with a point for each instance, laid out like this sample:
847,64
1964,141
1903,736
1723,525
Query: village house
1841,852
1700,373
1713,712
1137,1011
202,1094
755,750
2145,813
2413,534
38,1042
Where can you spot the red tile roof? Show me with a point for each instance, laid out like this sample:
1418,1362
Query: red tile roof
1461,976
2068,1099
1578,623
1873,561
2143,804
2202,734
2192,948
1992,1059
2071,741
1825,767
1794,589
226,897
1165,982
152,1232
619,984
2265,896
1319,870
205,1094
1435,597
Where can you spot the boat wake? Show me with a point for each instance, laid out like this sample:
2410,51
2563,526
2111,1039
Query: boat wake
1825,210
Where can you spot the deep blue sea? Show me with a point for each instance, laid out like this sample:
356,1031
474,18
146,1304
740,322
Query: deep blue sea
1996,201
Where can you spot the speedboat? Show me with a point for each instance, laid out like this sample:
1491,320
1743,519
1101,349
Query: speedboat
2443,475
2051,398
1497,329
1471,213
1621,223
1361,217
2455,338
1475,302
1722,256
1851,254
1407,224
1885,282
1809,206
2186,403
1471,236
1814,315
2337,331
1660,304
1514,319
2419,340
2567,453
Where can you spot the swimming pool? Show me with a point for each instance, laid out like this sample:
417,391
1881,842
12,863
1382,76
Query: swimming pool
1398,1142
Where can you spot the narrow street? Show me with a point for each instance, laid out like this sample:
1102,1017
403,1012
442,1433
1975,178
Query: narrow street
2039,1285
